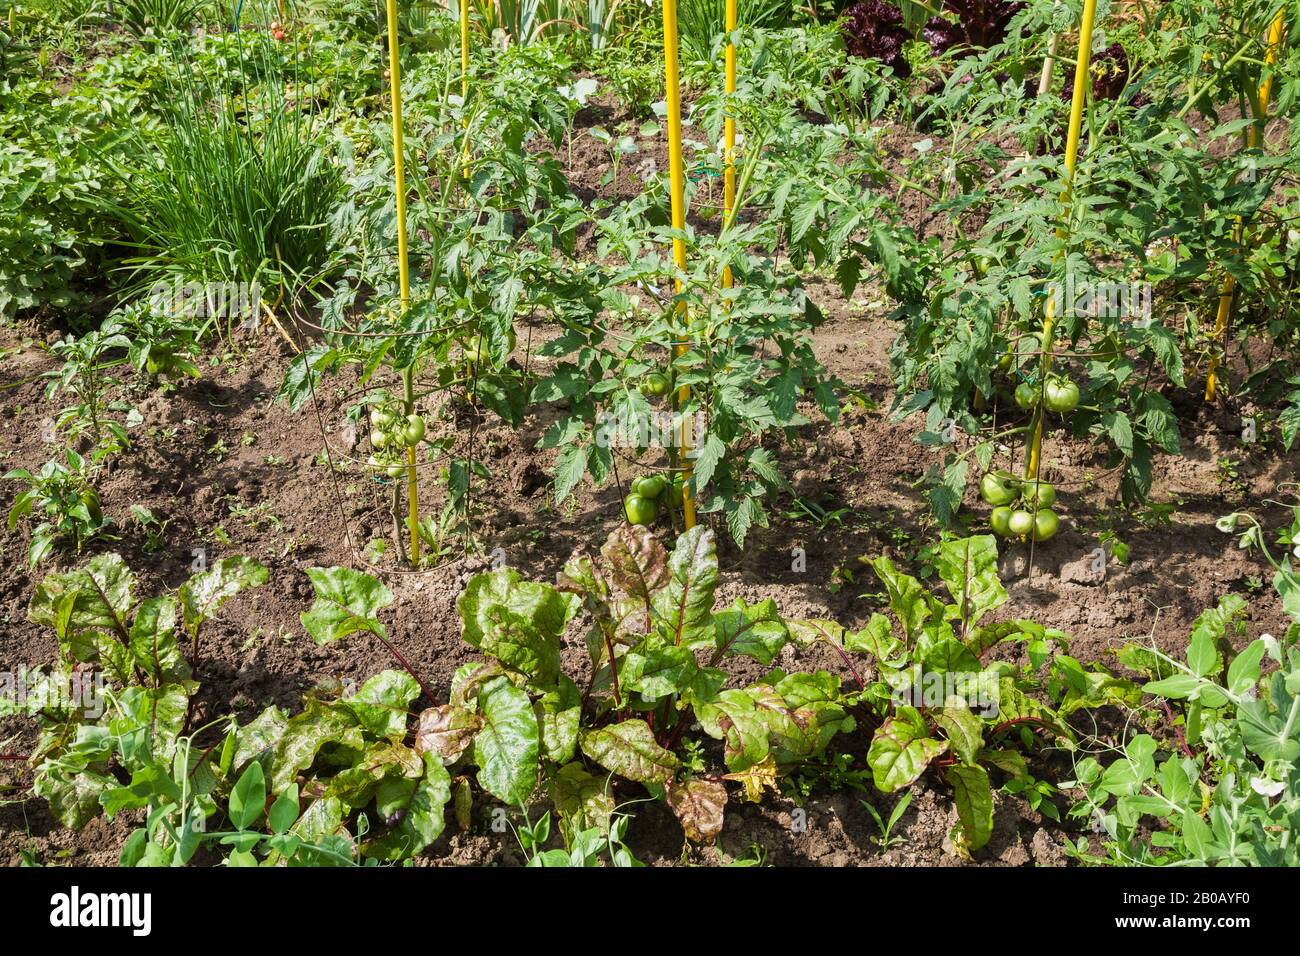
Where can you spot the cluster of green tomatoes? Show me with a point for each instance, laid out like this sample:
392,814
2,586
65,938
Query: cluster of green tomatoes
643,504
1033,518
392,431
1060,395
648,494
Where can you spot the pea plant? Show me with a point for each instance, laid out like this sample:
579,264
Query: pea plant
1227,795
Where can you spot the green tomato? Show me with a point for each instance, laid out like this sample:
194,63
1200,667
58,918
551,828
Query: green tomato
1026,396
375,463
1000,521
1040,495
1020,523
649,486
640,510
413,431
1061,396
378,440
656,385
1046,524
999,488
677,492
380,418
477,351
396,470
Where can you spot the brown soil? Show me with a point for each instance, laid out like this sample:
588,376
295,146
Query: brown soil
233,471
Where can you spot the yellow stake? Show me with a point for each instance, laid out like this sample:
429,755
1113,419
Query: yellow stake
1082,81
1253,140
403,266
673,96
464,77
729,136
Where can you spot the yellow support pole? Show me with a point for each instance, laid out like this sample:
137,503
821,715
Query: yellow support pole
1254,140
464,77
403,265
673,97
1082,82
729,136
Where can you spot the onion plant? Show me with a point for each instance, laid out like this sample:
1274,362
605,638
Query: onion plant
240,185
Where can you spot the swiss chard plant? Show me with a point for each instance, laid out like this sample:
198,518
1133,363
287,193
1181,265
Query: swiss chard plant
524,723
135,647
940,703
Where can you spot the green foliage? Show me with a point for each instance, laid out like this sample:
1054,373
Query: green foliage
939,705
239,184
1229,795
65,496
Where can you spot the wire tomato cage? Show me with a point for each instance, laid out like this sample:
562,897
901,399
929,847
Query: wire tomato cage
465,390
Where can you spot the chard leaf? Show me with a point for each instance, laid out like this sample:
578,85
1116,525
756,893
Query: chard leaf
258,738
203,594
974,798
583,800
878,640
629,749
559,712
507,748
446,730
964,730
638,563
517,622
73,798
424,819
99,598
347,601
901,750
733,718
357,785
698,805
911,603
305,734
969,568
756,632
382,703
154,647
685,605
658,672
